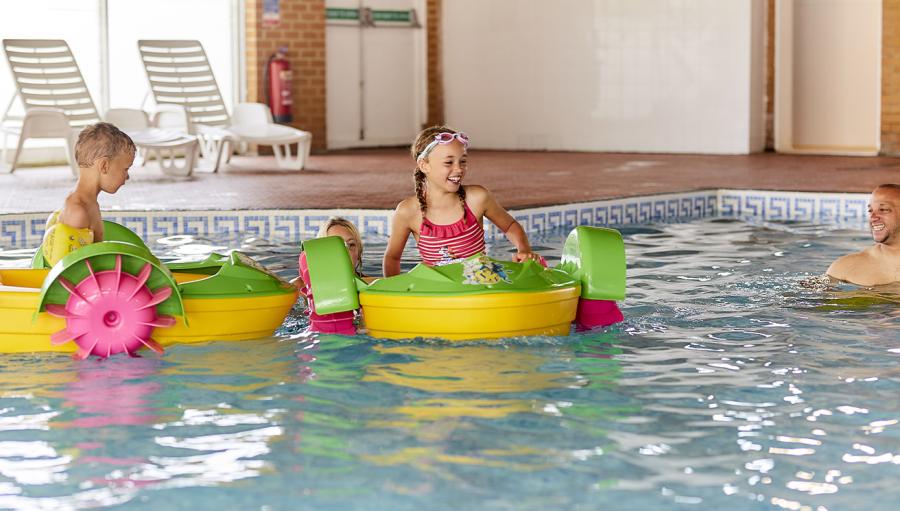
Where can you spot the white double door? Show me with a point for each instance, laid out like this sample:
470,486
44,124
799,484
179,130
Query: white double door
375,72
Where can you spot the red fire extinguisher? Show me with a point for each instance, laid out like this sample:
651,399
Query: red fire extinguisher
278,88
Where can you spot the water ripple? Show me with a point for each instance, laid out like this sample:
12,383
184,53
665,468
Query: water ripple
739,380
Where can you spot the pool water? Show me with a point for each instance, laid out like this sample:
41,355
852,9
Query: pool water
736,382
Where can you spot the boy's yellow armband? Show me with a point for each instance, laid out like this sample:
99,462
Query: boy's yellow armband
61,240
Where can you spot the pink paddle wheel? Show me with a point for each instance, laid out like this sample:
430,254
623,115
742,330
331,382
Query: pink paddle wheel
111,311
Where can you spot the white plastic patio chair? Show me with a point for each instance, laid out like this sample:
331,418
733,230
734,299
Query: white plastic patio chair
179,73
59,105
166,145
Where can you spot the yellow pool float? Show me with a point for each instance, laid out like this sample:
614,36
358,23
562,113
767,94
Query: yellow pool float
115,296
478,298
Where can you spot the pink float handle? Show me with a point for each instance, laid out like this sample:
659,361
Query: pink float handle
596,313
337,323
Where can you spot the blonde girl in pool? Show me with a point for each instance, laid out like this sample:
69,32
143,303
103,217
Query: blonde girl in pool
341,322
445,217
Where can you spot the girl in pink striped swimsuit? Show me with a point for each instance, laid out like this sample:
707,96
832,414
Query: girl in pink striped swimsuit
444,216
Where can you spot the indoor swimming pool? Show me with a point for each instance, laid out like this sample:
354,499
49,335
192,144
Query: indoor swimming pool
738,380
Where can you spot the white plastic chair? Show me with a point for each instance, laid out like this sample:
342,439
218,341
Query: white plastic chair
165,145
59,105
48,123
179,74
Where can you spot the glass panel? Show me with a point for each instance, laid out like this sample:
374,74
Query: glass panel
76,21
209,21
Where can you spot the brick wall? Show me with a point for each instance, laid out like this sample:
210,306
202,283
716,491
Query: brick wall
890,77
302,29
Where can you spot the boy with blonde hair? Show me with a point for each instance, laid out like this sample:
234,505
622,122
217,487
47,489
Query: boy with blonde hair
104,154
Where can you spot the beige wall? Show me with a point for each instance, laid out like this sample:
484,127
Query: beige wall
302,28
827,82
890,76
435,91
610,75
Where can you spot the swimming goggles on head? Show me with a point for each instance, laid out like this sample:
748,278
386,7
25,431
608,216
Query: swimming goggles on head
444,138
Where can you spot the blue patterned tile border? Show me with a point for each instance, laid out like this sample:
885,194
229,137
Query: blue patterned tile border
22,231
615,212
839,209
26,230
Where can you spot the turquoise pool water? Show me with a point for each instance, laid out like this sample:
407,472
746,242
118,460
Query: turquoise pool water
732,384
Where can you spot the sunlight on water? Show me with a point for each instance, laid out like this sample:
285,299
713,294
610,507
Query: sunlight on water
737,381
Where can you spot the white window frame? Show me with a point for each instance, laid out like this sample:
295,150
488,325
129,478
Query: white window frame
45,152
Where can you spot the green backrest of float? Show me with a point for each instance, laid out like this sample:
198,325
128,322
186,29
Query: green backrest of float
38,260
111,232
118,232
331,275
596,257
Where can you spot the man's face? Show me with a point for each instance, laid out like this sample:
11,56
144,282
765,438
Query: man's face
884,218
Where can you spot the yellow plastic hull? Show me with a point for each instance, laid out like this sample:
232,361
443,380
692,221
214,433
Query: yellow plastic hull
485,316
223,319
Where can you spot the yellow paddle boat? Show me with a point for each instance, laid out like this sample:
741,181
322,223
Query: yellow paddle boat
115,296
478,298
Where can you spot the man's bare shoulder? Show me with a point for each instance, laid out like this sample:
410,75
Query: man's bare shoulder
848,262
862,268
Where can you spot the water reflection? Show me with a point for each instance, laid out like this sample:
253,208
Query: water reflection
486,405
117,391
185,420
729,386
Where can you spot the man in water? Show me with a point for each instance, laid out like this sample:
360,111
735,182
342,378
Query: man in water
878,264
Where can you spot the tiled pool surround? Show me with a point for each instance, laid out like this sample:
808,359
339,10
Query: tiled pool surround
24,230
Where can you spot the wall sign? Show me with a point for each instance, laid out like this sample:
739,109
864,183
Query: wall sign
271,13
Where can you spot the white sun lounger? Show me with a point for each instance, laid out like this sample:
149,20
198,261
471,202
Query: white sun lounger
179,74
58,105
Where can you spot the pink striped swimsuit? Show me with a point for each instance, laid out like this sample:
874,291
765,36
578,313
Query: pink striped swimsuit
444,244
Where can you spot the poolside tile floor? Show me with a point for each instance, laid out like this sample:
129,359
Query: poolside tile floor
379,178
